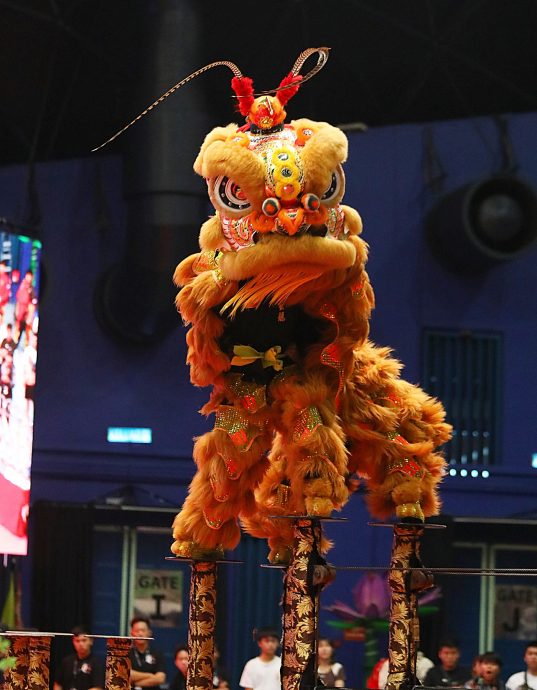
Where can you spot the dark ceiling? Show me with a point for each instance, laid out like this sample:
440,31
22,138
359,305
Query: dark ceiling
69,67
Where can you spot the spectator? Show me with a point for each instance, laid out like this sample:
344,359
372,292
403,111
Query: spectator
82,670
181,662
5,288
448,673
148,667
489,678
330,672
476,666
526,680
423,666
8,345
26,301
263,672
220,672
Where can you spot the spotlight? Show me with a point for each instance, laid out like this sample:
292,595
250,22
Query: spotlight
452,472
464,473
482,224
485,474
474,473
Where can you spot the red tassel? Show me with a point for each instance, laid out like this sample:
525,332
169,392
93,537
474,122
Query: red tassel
244,90
285,95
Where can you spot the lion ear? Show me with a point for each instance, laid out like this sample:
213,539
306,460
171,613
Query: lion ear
216,134
323,151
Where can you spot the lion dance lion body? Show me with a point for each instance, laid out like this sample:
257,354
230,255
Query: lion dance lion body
278,301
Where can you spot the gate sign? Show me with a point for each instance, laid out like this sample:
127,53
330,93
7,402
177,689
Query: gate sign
158,595
515,615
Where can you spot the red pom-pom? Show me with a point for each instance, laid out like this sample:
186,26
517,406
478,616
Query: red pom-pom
244,90
285,95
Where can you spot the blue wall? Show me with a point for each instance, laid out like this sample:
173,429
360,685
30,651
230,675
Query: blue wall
87,382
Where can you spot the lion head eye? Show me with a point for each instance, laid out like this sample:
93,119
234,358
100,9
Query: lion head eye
228,197
334,193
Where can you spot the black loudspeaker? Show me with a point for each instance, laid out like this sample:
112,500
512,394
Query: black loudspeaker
482,224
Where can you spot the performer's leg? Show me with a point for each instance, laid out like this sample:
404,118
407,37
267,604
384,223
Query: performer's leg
306,575
404,624
221,489
312,442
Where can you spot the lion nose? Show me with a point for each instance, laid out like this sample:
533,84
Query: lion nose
291,220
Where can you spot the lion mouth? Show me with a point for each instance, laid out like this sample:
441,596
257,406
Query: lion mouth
275,287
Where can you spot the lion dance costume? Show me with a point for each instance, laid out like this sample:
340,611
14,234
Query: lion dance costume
278,302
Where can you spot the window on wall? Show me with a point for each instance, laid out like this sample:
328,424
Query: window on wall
462,369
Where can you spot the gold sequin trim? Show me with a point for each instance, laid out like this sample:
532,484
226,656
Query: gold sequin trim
309,419
252,396
406,466
220,497
233,467
237,425
282,494
396,437
212,523
357,290
331,357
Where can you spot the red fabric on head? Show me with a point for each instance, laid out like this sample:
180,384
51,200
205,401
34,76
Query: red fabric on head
244,90
285,95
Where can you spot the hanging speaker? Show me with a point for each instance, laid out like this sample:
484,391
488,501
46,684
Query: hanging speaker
484,223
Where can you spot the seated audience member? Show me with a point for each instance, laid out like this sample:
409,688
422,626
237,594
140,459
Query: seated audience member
220,672
423,665
330,672
148,668
448,673
489,678
263,671
373,680
526,680
81,670
181,662
476,666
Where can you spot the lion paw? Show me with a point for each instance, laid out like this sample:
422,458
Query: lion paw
189,549
320,506
280,555
410,512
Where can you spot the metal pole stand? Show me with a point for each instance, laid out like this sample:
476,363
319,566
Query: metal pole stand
407,578
304,579
118,663
201,626
201,620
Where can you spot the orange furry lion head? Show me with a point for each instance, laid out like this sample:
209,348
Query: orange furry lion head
277,197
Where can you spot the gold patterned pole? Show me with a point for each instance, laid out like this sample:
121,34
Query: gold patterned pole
201,626
404,622
39,663
305,576
118,663
15,678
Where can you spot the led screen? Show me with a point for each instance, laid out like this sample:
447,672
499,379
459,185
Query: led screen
19,320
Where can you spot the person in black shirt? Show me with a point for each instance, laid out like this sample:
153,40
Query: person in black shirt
448,673
82,670
181,661
148,666
8,345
